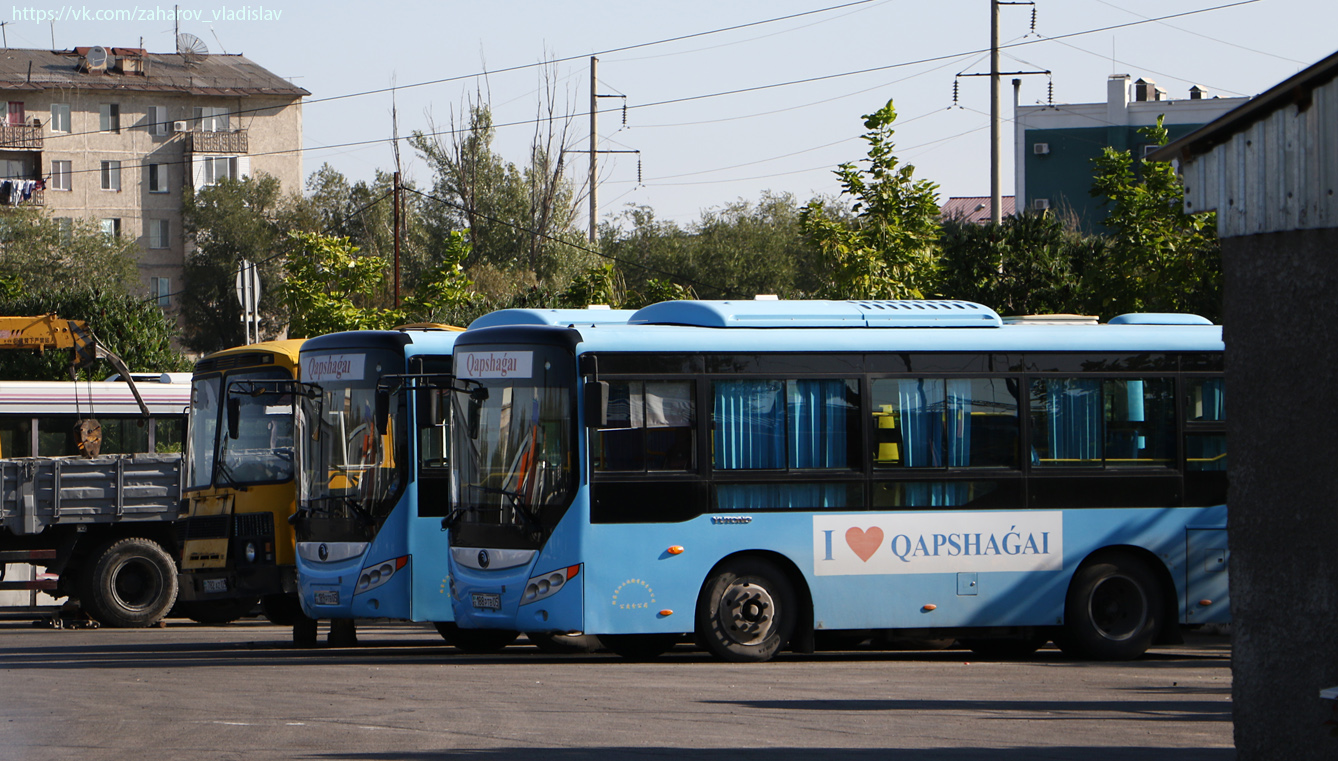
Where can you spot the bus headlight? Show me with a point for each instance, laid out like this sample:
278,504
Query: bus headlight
250,552
378,574
547,585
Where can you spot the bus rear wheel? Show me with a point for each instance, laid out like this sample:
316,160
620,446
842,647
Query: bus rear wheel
131,583
1113,611
746,611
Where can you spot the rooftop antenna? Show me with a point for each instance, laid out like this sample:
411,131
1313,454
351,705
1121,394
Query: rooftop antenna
216,39
191,48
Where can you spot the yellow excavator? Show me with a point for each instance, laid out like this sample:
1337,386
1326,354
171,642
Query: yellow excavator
51,332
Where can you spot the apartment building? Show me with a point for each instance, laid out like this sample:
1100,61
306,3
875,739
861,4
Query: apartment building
116,134
1055,144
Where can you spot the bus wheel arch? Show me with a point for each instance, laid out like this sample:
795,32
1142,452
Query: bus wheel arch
1118,603
751,605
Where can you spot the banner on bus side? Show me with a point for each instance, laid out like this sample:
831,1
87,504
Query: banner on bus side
864,544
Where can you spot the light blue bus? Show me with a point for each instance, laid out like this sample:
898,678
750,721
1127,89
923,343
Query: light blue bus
758,475
370,540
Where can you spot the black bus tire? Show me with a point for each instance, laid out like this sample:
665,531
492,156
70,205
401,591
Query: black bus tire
1113,611
129,583
746,611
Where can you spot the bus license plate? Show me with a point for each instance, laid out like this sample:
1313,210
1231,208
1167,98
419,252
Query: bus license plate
329,597
215,586
487,600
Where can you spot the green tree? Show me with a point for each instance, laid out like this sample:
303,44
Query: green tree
1025,265
132,327
42,252
740,249
232,221
1160,259
331,287
887,250
519,220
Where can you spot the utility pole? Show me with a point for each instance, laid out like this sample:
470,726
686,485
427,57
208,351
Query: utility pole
996,116
594,135
996,198
397,239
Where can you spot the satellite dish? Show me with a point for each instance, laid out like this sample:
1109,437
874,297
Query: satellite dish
190,47
97,57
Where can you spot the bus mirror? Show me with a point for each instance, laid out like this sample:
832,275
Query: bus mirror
234,415
596,404
382,412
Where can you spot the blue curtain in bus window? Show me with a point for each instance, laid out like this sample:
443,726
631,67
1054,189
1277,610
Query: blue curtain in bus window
959,423
1072,421
936,494
1208,400
749,425
786,496
920,401
818,416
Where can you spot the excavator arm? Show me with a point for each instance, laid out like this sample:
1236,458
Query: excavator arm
51,332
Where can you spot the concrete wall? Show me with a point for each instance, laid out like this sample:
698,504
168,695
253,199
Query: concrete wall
1281,332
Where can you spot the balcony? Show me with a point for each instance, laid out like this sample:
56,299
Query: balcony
20,137
21,193
234,142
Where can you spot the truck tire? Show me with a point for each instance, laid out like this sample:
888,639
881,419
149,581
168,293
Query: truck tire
129,583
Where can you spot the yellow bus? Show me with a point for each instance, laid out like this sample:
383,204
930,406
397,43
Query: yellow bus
240,486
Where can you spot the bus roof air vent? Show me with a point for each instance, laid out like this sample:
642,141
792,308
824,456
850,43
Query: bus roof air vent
593,316
1159,318
818,314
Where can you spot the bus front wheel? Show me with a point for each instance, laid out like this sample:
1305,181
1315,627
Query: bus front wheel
746,611
1113,611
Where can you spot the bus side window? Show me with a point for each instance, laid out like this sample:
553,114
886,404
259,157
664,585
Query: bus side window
651,427
945,423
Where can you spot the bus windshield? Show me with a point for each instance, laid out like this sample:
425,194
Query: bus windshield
350,469
514,442
262,451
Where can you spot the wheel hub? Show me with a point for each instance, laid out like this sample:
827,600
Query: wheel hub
747,612
1118,607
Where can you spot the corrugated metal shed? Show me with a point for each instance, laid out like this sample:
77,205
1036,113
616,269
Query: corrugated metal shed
1270,165
225,75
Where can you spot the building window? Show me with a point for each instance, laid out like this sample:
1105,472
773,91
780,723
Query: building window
156,122
211,118
111,175
109,117
158,230
219,168
14,112
60,117
162,289
157,178
111,227
60,175
65,226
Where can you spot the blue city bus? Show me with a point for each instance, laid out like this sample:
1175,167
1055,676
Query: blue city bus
770,474
370,540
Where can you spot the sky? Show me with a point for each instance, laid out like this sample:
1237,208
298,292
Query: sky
725,100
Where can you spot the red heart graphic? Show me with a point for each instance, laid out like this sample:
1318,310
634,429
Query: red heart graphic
864,543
